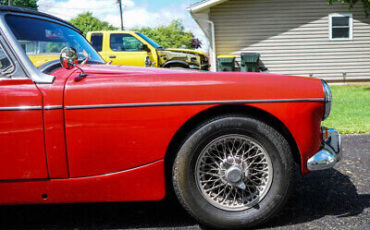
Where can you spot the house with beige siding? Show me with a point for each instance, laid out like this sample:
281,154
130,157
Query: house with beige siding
294,37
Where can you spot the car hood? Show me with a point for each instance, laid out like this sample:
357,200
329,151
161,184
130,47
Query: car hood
117,69
154,85
184,76
186,51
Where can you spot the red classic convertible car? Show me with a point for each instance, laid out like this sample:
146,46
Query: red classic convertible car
76,129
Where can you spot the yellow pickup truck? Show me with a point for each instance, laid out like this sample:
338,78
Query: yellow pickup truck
136,49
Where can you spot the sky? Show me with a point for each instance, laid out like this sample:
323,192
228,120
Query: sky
136,13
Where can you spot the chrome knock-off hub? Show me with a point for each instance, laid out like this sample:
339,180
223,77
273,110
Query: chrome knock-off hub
234,174
234,171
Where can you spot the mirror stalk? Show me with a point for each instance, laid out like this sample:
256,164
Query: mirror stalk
82,74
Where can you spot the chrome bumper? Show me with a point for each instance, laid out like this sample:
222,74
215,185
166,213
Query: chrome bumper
330,153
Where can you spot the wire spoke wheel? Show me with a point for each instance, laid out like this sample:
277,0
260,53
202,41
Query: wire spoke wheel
233,172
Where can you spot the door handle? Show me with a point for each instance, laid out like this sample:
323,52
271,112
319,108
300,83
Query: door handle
112,56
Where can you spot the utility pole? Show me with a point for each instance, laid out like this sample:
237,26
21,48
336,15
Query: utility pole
120,12
10,2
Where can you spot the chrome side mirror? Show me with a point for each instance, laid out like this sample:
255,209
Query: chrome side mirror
68,57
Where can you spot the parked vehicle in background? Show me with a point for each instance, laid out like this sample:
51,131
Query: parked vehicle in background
76,129
136,49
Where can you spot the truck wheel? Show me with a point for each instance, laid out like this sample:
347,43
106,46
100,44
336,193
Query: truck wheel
178,67
233,172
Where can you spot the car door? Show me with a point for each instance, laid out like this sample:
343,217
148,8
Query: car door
109,139
22,150
125,49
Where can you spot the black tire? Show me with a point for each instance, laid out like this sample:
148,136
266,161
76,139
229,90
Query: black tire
189,194
178,67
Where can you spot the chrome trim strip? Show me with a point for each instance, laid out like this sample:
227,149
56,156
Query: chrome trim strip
179,103
20,108
53,107
117,172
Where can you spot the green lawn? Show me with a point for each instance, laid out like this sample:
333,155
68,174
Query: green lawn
351,109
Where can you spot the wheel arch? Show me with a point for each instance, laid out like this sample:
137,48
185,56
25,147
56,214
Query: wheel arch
176,63
211,113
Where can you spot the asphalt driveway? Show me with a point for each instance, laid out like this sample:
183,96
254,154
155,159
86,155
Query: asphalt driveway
338,198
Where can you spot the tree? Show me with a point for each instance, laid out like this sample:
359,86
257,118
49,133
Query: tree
171,36
86,22
32,4
352,3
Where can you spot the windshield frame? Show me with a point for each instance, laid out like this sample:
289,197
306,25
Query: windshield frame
21,56
148,40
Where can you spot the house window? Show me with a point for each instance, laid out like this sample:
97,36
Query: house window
340,26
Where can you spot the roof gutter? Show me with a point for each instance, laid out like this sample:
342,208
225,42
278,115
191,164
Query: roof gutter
204,5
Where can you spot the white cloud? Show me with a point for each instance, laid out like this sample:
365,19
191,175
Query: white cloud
71,8
133,14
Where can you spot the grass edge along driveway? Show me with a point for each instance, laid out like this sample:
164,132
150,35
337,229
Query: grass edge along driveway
350,109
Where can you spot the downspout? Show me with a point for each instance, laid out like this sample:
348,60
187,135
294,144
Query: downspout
214,58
